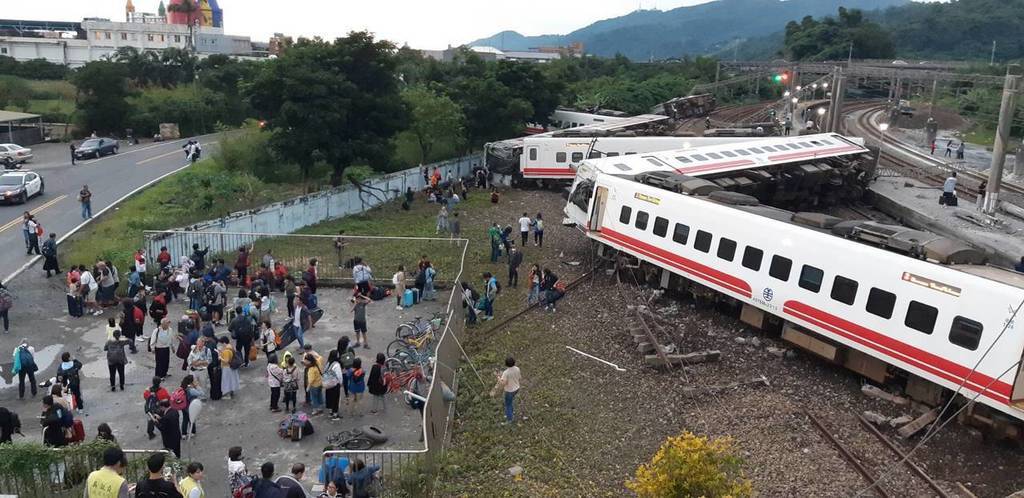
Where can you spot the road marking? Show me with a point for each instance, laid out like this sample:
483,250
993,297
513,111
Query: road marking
49,203
161,156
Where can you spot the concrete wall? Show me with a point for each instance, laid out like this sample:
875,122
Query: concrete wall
293,214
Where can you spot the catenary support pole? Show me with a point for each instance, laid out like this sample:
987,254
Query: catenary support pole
995,173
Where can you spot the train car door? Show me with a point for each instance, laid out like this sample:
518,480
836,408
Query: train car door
597,211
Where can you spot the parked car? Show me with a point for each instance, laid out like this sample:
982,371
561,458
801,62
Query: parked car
14,154
96,147
19,186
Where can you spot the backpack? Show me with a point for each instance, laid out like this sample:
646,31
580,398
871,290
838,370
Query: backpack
347,358
28,362
210,294
179,399
195,289
67,419
151,403
6,300
236,361
497,287
241,485
144,491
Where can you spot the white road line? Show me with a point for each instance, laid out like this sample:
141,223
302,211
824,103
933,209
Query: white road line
17,220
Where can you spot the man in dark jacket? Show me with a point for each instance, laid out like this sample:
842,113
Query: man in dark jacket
69,373
53,430
515,259
199,257
266,487
10,424
169,423
292,483
241,328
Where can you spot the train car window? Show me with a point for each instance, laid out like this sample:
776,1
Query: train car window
655,161
630,153
804,144
699,157
921,317
844,290
728,154
622,167
660,226
826,142
726,249
755,150
742,152
768,148
612,154
752,257
641,220
681,233
533,154
560,157
815,142
625,214
810,278
965,333
577,157
712,155
781,147
580,197
594,154
880,302
683,159
702,242
780,267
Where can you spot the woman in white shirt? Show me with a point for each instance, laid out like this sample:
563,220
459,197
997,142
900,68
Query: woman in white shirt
509,381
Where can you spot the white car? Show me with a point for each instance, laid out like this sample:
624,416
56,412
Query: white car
15,152
19,186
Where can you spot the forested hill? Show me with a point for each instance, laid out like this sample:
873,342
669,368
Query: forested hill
694,30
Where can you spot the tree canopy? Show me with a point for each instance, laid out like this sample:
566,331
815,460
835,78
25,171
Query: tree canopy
832,38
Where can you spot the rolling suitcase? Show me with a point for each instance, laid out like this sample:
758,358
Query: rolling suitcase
407,298
77,431
415,296
75,305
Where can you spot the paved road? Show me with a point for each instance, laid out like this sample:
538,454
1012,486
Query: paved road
109,178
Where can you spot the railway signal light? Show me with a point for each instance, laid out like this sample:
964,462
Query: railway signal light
782,77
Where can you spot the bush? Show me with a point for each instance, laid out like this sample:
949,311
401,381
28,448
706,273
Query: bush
197,110
14,92
689,465
249,152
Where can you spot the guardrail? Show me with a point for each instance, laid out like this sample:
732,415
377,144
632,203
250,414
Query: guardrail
35,471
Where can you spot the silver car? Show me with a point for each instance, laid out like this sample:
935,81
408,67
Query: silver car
16,153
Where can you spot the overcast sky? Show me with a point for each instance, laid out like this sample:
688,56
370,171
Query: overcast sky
421,24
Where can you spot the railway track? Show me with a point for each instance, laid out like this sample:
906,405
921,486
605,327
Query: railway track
931,174
873,456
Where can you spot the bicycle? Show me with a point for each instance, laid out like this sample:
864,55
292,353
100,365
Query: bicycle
408,355
351,440
421,342
417,327
399,376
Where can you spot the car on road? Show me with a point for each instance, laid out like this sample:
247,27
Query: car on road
96,148
14,154
19,186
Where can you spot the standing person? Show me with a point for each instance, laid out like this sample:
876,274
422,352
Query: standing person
229,382
399,282
109,481
275,377
268,338
509,381
455,226
33,234
160,343
50,253
960,150
949,190
163,258
290,384
347,356
52,422
134,281
71,149
69,371
242,264
155,485
949,148
428,282
238,475
524,228
515,260
85,198
132,320
152,397
24,227
182,398
311,275
116,358
292,483
191,485
359,302
289,295
538,230
90,286
356,381
199,257
25,366
788,125
332,376
490,294
199,360
535,281
362,478
314,383
339,242
375,384
169,422
442,220
980,201
494,234
362,274
241,328
6,303
301,322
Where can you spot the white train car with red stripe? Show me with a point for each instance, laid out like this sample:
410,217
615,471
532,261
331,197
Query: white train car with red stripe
938,326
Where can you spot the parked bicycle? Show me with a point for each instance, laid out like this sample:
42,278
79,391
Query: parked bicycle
400,376
418,326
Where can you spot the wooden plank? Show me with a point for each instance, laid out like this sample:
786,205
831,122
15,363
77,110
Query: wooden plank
918,424
660,360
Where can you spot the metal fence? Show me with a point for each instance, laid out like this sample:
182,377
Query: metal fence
63,473
293,214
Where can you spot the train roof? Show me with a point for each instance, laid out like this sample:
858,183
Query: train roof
755,153
615,124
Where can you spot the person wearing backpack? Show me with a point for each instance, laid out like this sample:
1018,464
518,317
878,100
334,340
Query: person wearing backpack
347,357
375,384
52,422
69,371
154,485
241,328
151,401
356,381
230,362
332,376
116,358
25,366
181,398
486,303
290,383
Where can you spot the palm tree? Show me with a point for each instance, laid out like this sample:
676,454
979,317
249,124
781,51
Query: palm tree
191,10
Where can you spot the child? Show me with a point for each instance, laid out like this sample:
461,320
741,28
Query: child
356,381
291,384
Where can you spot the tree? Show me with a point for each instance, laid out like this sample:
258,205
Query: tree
689,465
333,102
14,92
102,95
526,81
435,118
830,38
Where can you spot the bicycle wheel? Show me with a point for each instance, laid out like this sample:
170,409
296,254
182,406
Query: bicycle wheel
405,330
394,347
359,443
395,365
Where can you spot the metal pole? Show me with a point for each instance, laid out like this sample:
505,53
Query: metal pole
992,60
995,176
718,70
931,109
839,96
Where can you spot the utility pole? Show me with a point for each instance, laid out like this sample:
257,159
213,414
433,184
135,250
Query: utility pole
718,71
838,97
995,173
849,58
992,60
931,108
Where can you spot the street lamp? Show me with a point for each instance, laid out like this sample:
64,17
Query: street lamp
786,93
821,117
814,90
881,148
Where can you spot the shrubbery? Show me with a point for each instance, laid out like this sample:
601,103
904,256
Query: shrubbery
688,465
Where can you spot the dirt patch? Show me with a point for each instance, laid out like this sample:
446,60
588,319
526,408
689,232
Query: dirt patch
948,119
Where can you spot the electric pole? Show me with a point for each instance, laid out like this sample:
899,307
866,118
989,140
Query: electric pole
1009,104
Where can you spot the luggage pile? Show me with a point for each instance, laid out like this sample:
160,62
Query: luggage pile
295,426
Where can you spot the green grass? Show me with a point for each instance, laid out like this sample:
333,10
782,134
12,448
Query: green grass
199,193
45,106
52,89
981,135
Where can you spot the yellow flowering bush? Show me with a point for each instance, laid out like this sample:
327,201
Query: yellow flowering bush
691,466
